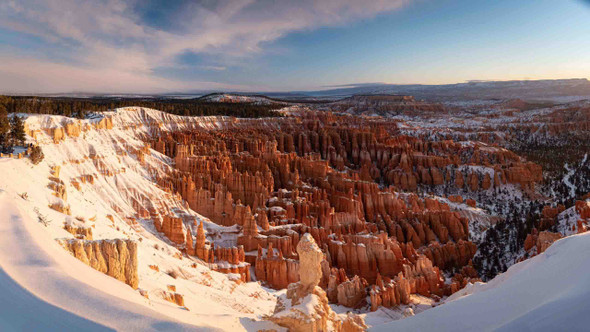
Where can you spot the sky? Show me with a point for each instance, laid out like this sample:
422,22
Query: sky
158,46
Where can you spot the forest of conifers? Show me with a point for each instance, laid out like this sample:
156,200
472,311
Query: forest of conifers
79,107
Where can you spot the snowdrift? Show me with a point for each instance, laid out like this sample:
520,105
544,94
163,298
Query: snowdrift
550,292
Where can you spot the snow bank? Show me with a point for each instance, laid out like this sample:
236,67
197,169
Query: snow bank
39,293
549,292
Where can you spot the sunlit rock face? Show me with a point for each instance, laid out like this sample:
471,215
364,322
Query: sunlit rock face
115,258
310,269
306,307
540,241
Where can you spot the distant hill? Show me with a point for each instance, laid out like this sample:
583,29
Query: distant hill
383,105
528,90
534,89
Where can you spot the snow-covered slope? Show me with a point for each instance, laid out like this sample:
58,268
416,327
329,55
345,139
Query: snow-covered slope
549,292
49,283
44,287
234,98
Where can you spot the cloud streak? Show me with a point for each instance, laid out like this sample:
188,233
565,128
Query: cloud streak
29,75
113,43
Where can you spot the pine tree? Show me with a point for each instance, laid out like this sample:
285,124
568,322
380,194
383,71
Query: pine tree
5,144
17,130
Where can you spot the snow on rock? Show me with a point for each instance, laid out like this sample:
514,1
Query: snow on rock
100,172
305,306
45,288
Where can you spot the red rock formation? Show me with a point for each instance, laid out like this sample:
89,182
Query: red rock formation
347,292
339,184
546,239
172,228
541,241
549,216
583,209
80,232
582,226
276,270
174,297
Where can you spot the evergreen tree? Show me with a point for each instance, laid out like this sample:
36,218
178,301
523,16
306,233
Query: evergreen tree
17,130
5,144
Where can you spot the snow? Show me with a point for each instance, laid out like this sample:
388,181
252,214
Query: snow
233,98
384,315
567,220
549,292
46,278
568,175
50,289
46,288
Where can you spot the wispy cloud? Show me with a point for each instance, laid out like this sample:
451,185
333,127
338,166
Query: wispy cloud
29,75
112,43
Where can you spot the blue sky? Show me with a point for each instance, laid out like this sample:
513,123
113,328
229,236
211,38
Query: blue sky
254,45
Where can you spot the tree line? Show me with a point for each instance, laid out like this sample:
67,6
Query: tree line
79,107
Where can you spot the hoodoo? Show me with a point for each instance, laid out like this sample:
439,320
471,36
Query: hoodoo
305,306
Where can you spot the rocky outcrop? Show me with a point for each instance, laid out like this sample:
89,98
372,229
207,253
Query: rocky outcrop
115,258
546,239
390,292
274,269
59,190
347,292
61,207
310,271
306,307
221,259
353,323
174,297
172,226
583,209
540,240
80,232
549,216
